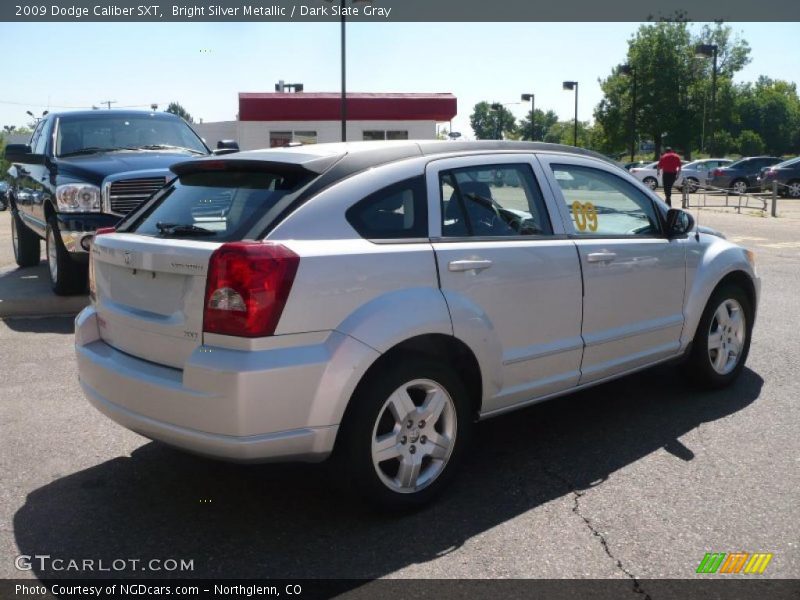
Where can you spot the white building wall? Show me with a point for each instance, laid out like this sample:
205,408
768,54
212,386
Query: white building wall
252,135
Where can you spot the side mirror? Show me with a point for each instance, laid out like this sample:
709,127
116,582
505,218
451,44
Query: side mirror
226,147
679,222
21,153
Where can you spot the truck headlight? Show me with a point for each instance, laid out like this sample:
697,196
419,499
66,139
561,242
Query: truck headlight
78,197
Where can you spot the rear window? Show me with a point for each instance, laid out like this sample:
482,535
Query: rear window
219,206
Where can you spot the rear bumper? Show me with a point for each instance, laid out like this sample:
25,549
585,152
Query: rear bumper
278,404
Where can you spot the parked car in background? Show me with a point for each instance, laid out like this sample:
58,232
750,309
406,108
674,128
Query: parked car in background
636,164
787,174
698,172
3,195
741,176
84,170
649,175
372,300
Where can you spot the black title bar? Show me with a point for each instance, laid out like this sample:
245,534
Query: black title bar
382,11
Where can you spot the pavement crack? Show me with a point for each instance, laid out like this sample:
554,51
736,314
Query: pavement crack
576,509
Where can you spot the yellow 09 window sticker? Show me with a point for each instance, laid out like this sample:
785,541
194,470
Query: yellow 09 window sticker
585,216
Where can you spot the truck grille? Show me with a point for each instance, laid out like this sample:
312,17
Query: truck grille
126,194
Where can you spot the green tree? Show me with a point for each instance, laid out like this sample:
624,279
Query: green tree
563,132
771,108
177,109
750,143
491,121
543,122
674,87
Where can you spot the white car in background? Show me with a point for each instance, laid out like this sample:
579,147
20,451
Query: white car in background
649,175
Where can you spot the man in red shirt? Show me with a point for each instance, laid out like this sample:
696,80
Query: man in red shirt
670,165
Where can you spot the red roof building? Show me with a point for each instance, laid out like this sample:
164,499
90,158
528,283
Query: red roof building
276,118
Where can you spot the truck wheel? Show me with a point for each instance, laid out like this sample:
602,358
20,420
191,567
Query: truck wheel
722,341
66,276
406,433
27,250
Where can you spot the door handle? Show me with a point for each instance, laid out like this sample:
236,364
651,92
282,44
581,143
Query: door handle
601,257
468,265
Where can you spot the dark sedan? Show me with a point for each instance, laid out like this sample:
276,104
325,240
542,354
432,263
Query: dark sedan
787,174
742,175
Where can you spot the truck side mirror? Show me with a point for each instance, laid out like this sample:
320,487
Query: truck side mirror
226,147
21,153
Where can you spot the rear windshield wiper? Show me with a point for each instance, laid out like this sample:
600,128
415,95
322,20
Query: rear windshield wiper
182,229
169,147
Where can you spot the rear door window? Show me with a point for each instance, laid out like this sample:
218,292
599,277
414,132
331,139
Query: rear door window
398,211
217,205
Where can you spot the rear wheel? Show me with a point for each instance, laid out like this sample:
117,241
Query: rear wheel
793,189
739,186
651,182
722,341
691,184
406,433
26,245
67,277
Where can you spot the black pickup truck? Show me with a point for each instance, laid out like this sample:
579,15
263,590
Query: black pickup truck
84,170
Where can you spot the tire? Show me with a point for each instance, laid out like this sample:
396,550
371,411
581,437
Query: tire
724,331
27,249
692,184
66,276
793,189
651,182
739,186
416,468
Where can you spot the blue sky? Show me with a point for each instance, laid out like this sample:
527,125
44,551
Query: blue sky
204,65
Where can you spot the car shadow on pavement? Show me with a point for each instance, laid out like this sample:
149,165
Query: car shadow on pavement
61,325
285,521
26,292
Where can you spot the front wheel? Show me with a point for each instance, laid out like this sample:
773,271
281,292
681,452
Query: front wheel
722,341
66,276
739,186
25,242
406,433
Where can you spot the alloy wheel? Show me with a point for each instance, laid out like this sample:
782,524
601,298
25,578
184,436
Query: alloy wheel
726,336
793,189
740,187
414,436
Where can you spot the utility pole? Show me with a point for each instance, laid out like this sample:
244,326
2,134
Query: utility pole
108,103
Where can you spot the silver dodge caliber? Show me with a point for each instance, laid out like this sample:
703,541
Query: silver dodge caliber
371,301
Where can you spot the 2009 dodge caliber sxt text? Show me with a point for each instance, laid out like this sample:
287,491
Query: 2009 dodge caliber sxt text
372,300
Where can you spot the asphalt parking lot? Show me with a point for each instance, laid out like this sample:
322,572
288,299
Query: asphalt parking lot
638,478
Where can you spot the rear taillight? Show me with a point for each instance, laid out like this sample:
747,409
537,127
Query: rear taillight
247,287
92,285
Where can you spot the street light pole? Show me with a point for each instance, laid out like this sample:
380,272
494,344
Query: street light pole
710,51
573,85
531,97
629,70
